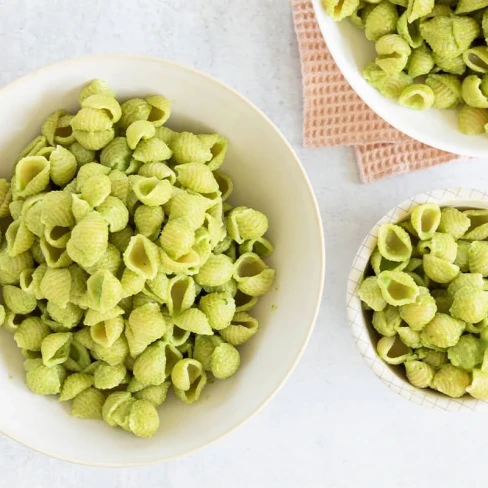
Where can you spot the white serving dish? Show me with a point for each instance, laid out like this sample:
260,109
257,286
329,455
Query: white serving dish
267,176
437,128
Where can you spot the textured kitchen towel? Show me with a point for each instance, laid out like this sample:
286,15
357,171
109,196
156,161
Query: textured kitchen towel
333,114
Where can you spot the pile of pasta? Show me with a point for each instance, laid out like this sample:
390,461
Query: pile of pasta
429,53
428,298
124,269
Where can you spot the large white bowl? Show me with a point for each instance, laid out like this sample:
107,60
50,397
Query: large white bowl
363,331
437,128
267,175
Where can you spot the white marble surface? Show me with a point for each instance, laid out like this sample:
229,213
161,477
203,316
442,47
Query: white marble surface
333,424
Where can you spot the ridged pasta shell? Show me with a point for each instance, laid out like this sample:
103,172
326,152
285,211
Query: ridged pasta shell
95,140
154,394
479,385
43,380
188,148
19,238
88,404
31,175
74,385
225,361
55,286
107,377
151,191
152,150
89,240
148,221
95,87
63,166
55,348
107,332
177,238
451,381
149,367
5,198
197,177
105,103
145,325
160,110
12,267
104,290
56,209
31,333
219,308
193,320
113,355
138,131
419,374
246,223
253,276
143,419
142,257
442,331
132,110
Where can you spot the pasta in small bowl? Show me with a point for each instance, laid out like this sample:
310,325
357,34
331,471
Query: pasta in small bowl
421,65
149,298
417,299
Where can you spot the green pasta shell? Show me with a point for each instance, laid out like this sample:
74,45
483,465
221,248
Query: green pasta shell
394,243
450,36
470,305
225,361
143,419
478,257
154,394
393,351
88,404
479,385
397,287
386,321
381,20
419,373
451,381
442,331
74,385
43,380
467,353
418,314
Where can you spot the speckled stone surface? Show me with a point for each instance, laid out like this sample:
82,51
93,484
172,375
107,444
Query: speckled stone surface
333,424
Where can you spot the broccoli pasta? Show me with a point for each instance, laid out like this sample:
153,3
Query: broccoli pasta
429,53
124,273
426,292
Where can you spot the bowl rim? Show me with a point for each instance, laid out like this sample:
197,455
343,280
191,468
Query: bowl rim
359,85
317,217
461,197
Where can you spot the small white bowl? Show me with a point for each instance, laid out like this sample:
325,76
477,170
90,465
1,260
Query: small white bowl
437,128
362,330
267,175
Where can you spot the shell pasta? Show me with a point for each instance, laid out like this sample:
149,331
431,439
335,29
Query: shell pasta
429,53
426,293
126,274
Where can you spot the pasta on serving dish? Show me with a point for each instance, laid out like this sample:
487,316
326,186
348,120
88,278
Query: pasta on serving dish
426,294
429,53
125,271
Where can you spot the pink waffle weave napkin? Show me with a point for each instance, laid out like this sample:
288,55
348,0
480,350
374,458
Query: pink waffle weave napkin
333,114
